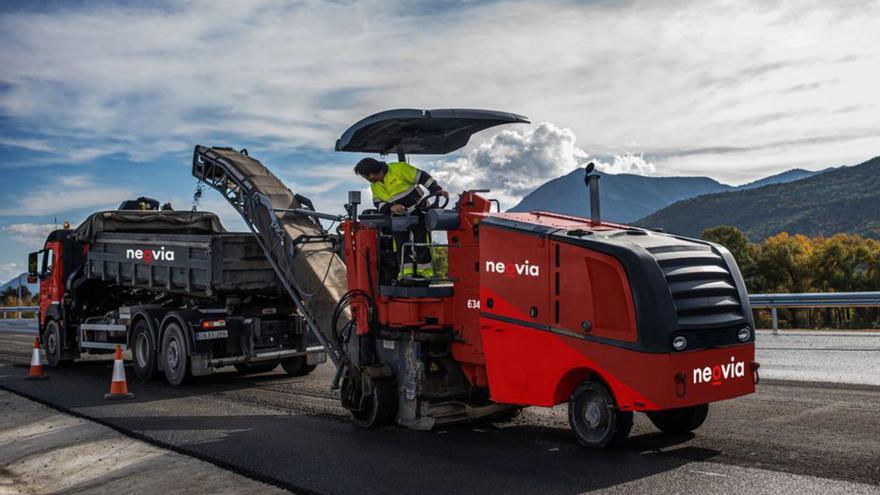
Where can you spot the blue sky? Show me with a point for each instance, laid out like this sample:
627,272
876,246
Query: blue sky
102,101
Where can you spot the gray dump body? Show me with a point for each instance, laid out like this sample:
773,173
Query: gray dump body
179,252
196,265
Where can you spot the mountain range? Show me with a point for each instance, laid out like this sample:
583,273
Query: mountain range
627,197
34,288
841,200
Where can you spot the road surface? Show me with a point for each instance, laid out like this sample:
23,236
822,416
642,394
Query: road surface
789,437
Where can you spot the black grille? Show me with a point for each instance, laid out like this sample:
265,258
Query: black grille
703,290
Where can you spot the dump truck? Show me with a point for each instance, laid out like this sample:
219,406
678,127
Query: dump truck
536,309
183,294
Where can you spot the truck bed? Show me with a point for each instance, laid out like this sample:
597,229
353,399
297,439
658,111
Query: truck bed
197,265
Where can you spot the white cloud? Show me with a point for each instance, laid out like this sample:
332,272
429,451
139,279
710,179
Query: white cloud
512,163
31,234
627,163
652,77
80,192
8,271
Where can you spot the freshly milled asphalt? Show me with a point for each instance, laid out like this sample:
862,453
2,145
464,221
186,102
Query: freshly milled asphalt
787,438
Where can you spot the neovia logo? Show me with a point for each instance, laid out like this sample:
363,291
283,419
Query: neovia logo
715,374
149,255
524,269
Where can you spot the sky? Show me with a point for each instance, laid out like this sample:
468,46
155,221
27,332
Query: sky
103,101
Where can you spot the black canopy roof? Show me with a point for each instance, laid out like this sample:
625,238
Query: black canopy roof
421,132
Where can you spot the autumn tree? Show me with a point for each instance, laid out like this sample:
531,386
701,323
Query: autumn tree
737,243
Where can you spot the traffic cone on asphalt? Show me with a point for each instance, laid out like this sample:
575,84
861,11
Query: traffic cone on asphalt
36,372
118,385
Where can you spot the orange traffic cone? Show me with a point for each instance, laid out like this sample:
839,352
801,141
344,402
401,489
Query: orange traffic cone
36,372
118,385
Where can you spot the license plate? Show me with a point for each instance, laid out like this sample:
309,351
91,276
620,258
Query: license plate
212,334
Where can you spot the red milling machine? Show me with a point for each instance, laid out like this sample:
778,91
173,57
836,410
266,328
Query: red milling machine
537,308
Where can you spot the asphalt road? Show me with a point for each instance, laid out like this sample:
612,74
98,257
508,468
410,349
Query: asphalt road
834,357
788,438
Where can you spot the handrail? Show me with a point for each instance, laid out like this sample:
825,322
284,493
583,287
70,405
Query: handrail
813,300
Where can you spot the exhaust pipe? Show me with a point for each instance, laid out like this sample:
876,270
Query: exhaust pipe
592,182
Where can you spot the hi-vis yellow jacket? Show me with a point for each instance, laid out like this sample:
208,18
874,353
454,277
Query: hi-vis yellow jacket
401,186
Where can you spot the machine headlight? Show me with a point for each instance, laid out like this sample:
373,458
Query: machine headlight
679,343
744,334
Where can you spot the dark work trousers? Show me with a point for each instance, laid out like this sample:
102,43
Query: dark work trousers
418,257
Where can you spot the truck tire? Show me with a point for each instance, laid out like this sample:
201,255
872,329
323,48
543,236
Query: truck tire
53,343
594,417
174,356
297,366
252,368
682,420
143,351
380,406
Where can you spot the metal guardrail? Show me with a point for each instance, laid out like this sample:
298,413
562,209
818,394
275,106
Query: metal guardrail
772,301
813,300
19,309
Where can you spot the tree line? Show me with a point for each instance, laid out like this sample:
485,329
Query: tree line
787,263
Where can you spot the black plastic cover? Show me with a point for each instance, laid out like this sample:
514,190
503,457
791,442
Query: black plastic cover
152,222
421,132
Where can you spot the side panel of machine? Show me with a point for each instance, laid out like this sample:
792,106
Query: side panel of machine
514,278
591,294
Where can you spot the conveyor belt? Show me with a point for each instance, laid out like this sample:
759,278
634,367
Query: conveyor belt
296,245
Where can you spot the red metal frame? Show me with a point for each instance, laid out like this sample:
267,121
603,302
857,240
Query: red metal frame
52,287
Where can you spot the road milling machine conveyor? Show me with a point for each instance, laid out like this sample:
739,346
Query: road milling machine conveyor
536,309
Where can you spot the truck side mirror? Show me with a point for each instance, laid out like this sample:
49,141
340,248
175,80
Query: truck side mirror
31,278
32,265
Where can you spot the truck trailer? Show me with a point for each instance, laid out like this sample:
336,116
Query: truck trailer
537,308
174,287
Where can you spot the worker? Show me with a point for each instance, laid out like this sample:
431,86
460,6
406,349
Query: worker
397,190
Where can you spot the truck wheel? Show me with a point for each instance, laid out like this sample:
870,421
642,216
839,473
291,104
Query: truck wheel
594,417
380,407
681,420
174,355
53,343
297,366
143,351
251,368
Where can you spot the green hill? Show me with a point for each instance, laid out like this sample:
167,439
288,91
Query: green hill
846,199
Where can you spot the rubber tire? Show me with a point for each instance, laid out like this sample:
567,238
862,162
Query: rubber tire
174,350
381,405
612,425
678,421
297,366
52,345
143,351
253,368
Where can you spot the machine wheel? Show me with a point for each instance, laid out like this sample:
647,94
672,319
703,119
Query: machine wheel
681,420
53,343
380,406
174,355
253,368
143,351
594,417
297,366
